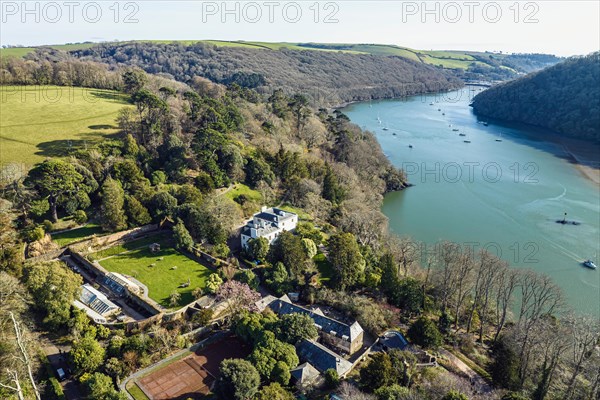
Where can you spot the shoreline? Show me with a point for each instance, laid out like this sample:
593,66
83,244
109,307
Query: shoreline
584,156
591,173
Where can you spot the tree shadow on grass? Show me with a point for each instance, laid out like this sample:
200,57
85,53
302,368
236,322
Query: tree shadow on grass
64,147
101,127
115,97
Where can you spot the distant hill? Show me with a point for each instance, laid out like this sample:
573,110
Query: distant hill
564,98
329,77
338,72
472,63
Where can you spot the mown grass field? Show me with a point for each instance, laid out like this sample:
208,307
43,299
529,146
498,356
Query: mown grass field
155,269
37,122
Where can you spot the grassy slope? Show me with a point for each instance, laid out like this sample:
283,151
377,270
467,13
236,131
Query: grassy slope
74,235
160,279
240,189
40,122
446,58
23,51
16,51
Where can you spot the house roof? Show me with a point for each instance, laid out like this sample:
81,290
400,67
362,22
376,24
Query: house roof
274,214
260,231
264,302
96,300
304,373
123,281
322,358
90,313
393,340
326,324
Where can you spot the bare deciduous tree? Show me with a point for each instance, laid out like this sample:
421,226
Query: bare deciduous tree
584,337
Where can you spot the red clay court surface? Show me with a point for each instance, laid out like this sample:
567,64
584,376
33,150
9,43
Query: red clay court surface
192,376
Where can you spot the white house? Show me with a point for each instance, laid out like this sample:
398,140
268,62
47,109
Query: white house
269,223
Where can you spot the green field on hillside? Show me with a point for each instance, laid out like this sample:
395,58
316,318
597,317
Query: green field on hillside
37,122
445,58
23,51
15,52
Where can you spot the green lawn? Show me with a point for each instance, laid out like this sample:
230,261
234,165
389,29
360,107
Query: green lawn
325,268
160,278
240,188
135,391
302,215
37,122
122,248
67,237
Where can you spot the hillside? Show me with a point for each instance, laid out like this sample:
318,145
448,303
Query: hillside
564,98
330,73
470,62
37,123
329,78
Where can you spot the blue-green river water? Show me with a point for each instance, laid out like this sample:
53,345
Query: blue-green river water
503,191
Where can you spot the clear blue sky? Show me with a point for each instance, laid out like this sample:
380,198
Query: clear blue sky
559,27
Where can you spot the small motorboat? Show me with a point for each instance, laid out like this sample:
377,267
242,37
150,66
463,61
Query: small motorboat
385,129
430,104
394,134
485,124
462,134
410,146
467,141
454,130
589,264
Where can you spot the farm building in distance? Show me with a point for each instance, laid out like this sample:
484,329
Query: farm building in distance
269,223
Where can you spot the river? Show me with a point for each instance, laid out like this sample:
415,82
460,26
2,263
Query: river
502,191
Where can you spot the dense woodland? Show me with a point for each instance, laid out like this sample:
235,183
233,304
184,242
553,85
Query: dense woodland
563,98
327,78
180,144
505,67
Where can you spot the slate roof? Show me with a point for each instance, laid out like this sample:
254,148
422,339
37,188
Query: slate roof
265,302
325,324
322,358
393,340
274,215
304,373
